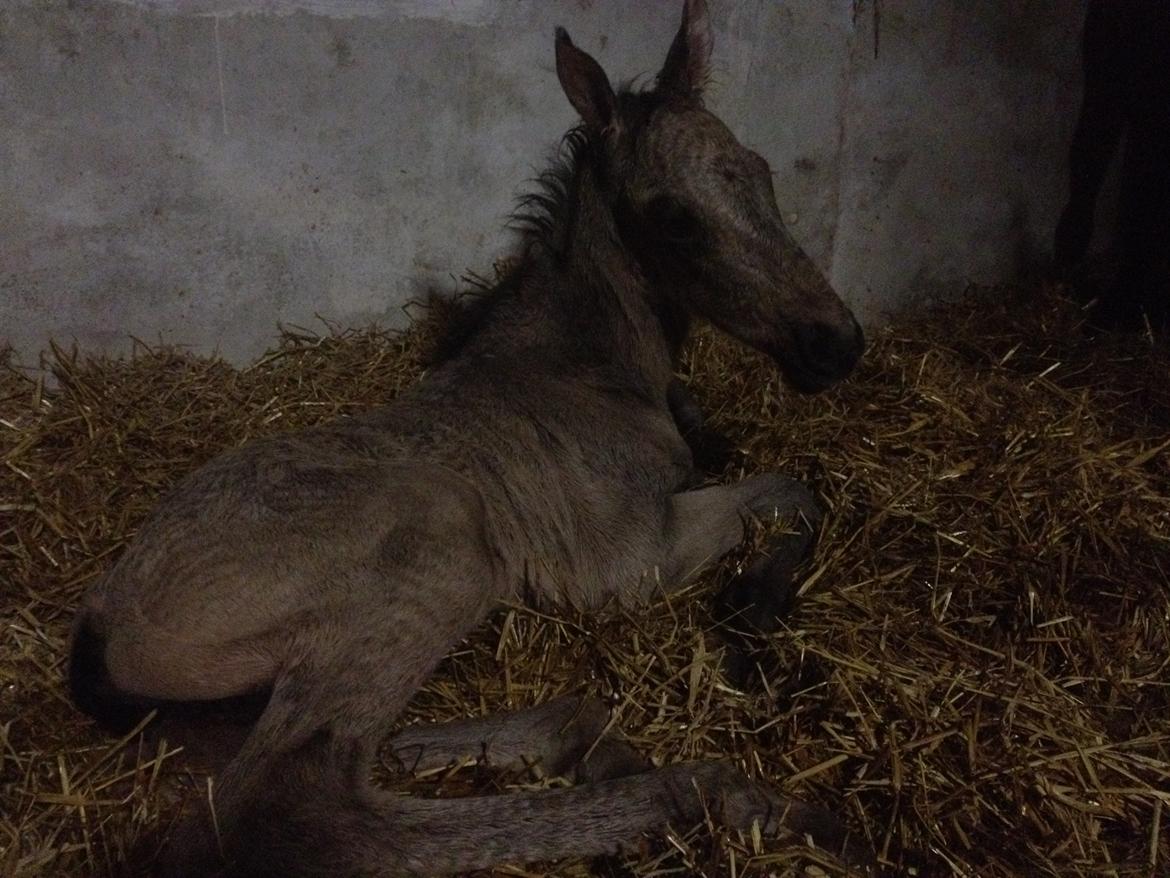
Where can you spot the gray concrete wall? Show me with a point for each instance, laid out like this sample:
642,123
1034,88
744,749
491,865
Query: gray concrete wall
197,171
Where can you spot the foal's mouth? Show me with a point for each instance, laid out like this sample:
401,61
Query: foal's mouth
817,357
807,381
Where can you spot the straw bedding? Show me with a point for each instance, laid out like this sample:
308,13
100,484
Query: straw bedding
977,676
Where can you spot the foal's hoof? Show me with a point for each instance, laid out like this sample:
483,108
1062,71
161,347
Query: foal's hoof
711,450
752,606
757,601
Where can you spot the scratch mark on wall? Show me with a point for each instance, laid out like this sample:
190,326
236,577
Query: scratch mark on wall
219,72
841,157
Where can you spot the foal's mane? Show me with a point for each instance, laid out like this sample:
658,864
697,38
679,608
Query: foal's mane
544,217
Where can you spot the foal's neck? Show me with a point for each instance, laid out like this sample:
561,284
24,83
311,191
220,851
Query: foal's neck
597,273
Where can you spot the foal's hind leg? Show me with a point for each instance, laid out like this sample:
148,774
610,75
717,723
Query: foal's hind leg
565,733
707,523
600,818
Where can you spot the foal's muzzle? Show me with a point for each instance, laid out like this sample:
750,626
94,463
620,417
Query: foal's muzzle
823,354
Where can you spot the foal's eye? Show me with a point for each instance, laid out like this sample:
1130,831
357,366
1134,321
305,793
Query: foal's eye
672,220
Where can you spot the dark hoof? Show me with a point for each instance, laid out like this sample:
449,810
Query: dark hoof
757,601
752,606
749,667
710,449
756,604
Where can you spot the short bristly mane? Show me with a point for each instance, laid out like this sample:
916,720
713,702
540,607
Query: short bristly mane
544,218
544,215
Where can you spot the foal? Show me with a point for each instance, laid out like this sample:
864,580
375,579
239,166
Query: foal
541,460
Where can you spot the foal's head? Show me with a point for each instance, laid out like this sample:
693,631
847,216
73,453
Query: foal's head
697,210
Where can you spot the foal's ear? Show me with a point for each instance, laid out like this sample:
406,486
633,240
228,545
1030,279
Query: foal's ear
585,84
688,61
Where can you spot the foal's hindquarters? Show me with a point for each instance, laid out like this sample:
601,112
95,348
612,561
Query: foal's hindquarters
299,565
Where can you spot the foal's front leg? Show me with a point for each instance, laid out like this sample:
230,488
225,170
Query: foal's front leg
710,449
706,524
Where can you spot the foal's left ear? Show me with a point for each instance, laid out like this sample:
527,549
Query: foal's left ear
689,59
585,84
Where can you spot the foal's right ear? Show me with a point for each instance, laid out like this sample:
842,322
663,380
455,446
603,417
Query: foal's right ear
585,84
689,60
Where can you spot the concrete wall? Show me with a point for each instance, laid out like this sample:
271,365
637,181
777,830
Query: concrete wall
196,171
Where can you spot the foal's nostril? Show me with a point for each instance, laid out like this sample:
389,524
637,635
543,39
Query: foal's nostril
829,349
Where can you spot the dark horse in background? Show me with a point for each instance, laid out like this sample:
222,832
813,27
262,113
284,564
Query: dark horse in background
1126,63
542,460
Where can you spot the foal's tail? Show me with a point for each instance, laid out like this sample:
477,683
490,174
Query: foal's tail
90,684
